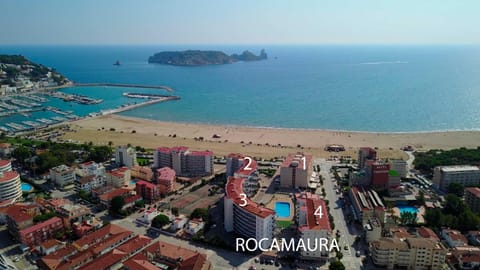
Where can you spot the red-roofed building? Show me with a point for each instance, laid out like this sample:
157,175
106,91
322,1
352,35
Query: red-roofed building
139,262
5,165
454,238
148,191
295,171
185,162
427,233
472,198
378,174
244,216
10,186
464,259
166,180
114,258
118,177
20,216
176,257
313,223
234,162
366,204
87,249
142,172
41,232
364,154
107,197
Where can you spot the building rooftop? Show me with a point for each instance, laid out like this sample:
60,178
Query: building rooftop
296,160
8,176
314,222
166,173
134,244
172,149
49,243
21,212
190,260
474,191
39,226
96,236
427,233
145,183
4,162
459,168
105,261
139,262
233,190
244,170
62,168
108,196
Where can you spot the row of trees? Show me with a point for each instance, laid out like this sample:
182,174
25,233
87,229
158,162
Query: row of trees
59,153
455,215
426,161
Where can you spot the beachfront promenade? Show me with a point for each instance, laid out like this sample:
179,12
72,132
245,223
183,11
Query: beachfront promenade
166,88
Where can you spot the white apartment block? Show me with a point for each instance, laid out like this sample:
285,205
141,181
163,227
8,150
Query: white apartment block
466,175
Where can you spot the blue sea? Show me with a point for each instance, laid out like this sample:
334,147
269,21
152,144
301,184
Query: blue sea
355,88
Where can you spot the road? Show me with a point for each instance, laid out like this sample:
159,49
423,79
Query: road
348,234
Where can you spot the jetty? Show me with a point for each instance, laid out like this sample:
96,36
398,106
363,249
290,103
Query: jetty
136,105
163,87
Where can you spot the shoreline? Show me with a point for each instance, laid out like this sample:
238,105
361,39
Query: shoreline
307,129
265,142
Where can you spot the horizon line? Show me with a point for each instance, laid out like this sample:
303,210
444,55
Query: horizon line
240,44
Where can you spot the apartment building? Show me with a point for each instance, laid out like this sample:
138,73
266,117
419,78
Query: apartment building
184,162
466,175
118,177
312,226
366,203
166,180
410,253
10,184
63,176
472,198
125,156
295,171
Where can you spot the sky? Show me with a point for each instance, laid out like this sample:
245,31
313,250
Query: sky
125,22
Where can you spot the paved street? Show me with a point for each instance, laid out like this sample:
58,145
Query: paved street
348,233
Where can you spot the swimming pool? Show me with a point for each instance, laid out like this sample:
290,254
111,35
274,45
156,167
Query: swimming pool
133,182
406,208
26,187
282,209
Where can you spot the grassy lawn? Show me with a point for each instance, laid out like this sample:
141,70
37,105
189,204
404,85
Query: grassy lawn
283,223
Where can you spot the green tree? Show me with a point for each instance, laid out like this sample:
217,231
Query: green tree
140,203
454,205
160,221
421,197
408,218
100,153
21,153
457,189
175,211
117,204
336,265
200,213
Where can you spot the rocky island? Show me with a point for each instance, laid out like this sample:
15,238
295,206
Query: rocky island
202,58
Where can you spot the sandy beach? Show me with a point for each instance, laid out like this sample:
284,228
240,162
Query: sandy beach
150,134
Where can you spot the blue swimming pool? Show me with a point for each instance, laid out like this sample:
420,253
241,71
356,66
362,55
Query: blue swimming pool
282,209
406,208
26,187
133,182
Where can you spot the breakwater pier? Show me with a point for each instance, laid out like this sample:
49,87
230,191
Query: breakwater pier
163,87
